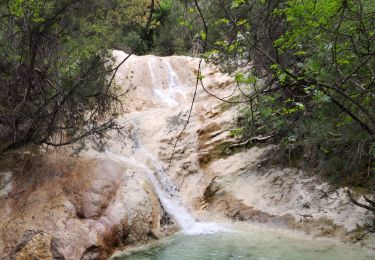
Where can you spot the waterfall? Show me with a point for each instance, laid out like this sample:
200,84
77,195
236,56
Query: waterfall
168,197
165,85
168,95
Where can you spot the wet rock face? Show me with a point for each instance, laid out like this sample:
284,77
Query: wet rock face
66,208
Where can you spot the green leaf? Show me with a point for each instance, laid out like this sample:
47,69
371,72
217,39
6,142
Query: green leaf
237,3
203,35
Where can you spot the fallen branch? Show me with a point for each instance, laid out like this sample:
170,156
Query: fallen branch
252,139
355,202
371,202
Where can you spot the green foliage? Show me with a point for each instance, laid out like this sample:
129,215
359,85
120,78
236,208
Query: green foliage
167,33
131,40
329,33
172,36
317,95
236,133
54,72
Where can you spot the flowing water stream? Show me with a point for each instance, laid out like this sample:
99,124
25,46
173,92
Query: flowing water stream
166,192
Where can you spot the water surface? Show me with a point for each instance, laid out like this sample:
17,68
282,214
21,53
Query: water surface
253,244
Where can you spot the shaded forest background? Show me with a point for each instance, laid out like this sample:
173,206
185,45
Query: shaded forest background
305,72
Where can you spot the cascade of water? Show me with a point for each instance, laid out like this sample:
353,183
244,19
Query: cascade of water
173,86
169,96
161,71
167,195
162,178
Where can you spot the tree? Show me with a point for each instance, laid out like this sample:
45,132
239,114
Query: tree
316,58
56,73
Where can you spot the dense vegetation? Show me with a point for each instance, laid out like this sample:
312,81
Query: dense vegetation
305,71
55,74
316,59
52,88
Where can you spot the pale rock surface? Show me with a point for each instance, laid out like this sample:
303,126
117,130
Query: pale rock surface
72,205
284,191
203,152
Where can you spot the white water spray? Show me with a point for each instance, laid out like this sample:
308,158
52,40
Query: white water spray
168,197
167,96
